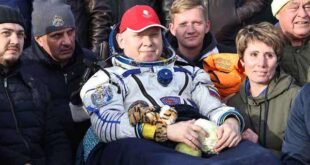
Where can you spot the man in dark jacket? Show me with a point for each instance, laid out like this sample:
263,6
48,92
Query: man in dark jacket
30,133
190,28
56,59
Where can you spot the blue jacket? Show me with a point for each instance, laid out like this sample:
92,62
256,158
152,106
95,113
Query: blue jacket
296,146
29,131
61,82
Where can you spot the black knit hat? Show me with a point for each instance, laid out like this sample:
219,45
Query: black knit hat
10,15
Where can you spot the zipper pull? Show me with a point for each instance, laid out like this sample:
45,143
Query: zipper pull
66,78
5,82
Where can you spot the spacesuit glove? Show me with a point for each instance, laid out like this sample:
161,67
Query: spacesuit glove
139,113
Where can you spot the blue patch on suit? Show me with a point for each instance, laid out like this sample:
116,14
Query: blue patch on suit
170,100
102,96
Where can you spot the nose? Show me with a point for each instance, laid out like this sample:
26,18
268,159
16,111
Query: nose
190,28
262,61
66,39
147,41
14,38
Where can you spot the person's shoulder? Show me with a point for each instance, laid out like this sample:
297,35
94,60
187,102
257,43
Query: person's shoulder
28,54
305,90
234,100
88,54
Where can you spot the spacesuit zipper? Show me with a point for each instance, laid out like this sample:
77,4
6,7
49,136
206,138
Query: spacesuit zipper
5,83
145,94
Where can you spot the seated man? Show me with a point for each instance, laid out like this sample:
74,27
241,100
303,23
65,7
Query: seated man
144,73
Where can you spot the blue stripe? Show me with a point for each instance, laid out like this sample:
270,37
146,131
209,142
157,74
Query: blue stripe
179,69
96,111
122,81
130,72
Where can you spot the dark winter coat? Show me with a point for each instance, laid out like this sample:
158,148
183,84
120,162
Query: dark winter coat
296,146
29,131
61,82
93,21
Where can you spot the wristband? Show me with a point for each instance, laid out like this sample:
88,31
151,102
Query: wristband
148,131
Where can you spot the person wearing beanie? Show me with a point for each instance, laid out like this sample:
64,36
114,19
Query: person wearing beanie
294,21
25,8
58,61
124,101
29,131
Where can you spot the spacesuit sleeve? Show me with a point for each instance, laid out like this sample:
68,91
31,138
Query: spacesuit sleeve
205,95
102,98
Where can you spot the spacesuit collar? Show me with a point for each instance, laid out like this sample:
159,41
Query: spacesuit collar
128,63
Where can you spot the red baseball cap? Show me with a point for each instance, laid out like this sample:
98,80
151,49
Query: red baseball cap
139,18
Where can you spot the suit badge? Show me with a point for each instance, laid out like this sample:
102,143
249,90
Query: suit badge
102,96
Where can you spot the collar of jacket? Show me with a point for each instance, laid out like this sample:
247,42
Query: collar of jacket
45,58
8,71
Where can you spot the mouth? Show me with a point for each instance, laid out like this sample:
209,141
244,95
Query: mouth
66,51
191,37
301,22
263,73
13,49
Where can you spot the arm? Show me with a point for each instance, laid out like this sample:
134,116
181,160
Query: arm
296,145
103,96
208,100
100,22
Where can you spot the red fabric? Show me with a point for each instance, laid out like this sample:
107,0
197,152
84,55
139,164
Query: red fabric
139,18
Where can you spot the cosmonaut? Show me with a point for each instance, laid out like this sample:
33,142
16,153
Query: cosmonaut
111,92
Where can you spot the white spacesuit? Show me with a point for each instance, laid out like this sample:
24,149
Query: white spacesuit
110,92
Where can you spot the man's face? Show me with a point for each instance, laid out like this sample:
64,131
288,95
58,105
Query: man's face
145,46
294,19
60,44
190,27
11,42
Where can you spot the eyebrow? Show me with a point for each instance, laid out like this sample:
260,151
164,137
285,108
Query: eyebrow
13,30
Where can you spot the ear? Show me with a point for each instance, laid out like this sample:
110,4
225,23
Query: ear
120,40
242,62
208,26
39,40
172,29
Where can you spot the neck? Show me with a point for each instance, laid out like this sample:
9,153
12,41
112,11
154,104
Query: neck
256,89
297,42
190,53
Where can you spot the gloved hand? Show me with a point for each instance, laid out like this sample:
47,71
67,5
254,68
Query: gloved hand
140,112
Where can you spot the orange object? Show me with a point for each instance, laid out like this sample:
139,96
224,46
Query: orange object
226,72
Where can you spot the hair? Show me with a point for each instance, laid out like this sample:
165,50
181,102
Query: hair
179,6
263,32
